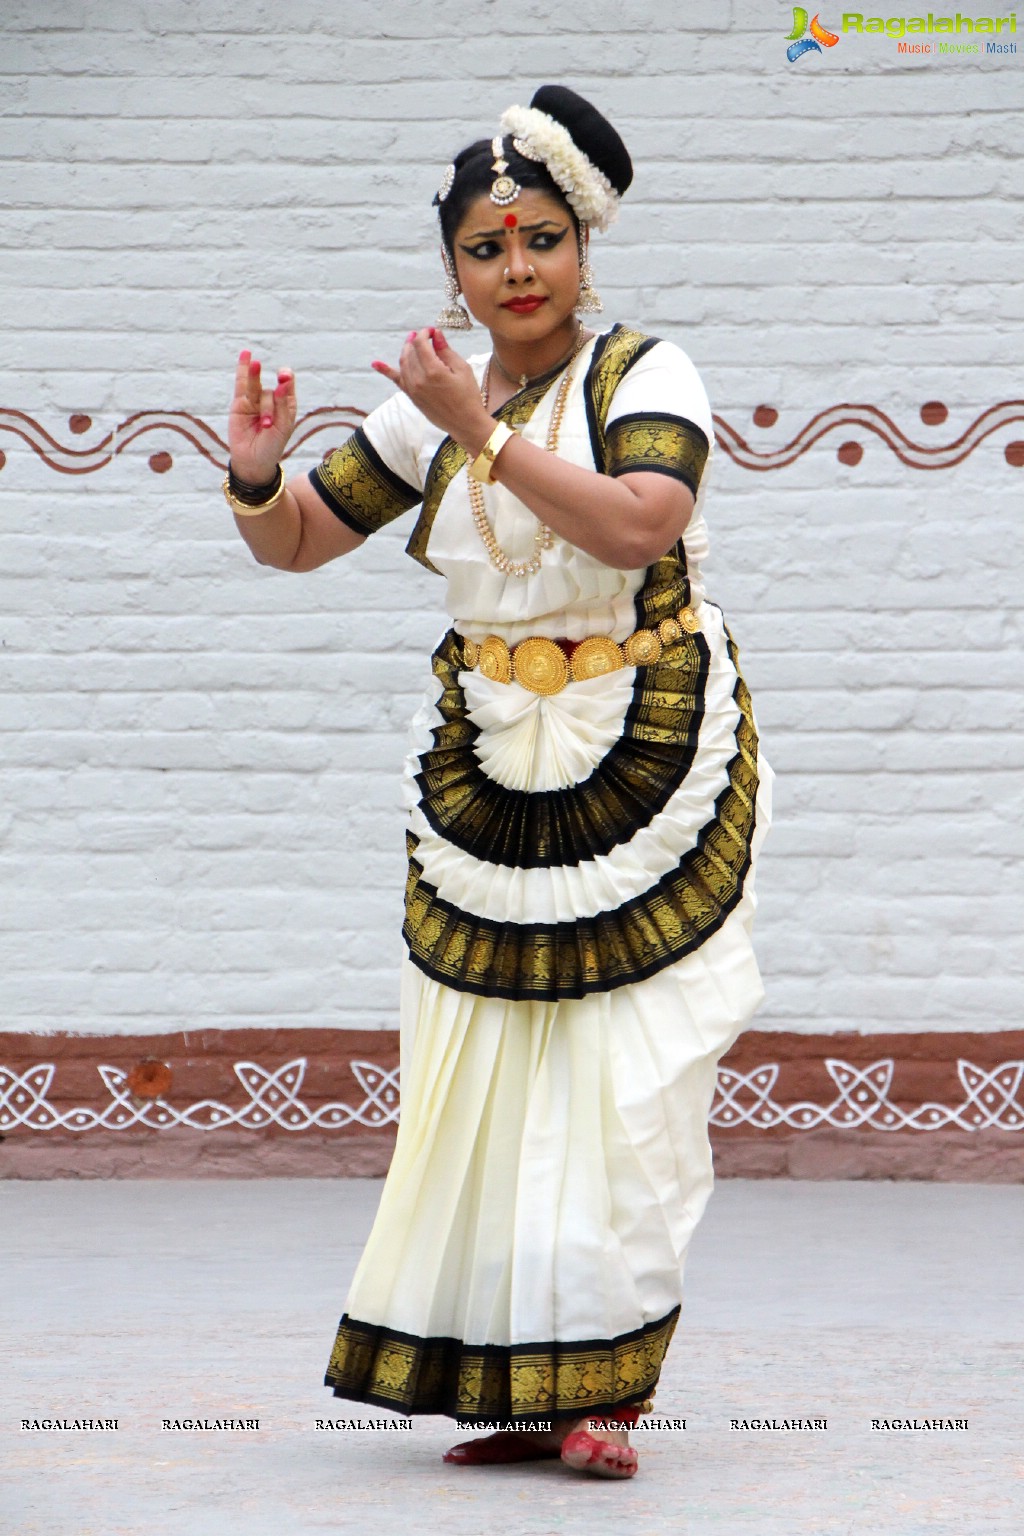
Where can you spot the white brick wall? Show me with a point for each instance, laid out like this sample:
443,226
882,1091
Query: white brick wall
199,816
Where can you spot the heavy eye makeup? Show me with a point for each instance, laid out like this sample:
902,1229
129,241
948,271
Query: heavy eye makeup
541,240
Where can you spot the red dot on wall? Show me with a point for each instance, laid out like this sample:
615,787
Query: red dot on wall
79,423
149,1078
850,453
765,416
933,413
160,463
3,458
1014,454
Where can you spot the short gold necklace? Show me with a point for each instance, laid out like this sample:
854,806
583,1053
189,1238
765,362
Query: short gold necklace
523,379
544,537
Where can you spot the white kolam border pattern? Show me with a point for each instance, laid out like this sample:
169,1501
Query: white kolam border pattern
272,1099
991,1101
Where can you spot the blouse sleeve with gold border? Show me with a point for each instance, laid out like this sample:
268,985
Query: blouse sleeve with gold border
375,476
659,419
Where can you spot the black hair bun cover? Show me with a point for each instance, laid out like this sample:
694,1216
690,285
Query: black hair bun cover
591,132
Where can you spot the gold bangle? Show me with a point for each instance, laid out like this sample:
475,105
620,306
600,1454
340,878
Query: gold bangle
244,508
482,465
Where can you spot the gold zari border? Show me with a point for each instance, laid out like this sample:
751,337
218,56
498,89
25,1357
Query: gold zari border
665,444
521,1381
613,358
359,488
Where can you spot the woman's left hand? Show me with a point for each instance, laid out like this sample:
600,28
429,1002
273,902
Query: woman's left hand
440,383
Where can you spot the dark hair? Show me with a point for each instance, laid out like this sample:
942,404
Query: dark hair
474,176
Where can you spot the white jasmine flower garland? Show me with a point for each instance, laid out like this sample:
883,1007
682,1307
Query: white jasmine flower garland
587,190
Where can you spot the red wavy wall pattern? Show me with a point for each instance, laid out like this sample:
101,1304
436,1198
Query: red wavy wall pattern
864,419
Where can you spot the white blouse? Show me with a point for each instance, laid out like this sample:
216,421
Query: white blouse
573,594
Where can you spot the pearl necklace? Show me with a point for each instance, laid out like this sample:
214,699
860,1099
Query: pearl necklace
544,537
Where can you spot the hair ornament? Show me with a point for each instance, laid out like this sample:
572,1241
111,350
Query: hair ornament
504,189
447,182
526,149
537,136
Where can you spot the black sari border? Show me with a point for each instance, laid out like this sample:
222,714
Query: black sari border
539,829
361,490
523,1383
544,962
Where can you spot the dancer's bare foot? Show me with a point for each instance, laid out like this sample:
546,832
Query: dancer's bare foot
593,1445
598,1444
504,1447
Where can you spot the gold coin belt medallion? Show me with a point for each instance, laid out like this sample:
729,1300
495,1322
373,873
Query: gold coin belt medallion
540,665
594,657
642,648
496,659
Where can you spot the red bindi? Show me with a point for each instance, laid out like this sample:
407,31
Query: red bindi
510,221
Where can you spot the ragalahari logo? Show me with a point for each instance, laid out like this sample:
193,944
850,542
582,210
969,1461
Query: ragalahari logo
800,44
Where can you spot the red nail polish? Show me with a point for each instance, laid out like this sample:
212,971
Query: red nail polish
411,336
243,357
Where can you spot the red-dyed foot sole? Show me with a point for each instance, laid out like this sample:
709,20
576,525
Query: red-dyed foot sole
602,1458
498,1450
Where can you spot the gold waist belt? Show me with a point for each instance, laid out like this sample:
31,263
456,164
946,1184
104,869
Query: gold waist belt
545,666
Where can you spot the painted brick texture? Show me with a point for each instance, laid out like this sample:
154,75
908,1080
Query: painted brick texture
199,806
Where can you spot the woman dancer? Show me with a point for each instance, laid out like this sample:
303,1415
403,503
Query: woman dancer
586,803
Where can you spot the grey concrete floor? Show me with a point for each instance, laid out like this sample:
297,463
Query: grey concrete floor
847,1301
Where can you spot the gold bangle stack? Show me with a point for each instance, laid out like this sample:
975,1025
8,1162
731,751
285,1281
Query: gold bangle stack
542,665
254,509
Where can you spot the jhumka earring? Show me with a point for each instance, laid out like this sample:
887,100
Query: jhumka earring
452,317
589,301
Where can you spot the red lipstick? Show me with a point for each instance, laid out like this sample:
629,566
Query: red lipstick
524,306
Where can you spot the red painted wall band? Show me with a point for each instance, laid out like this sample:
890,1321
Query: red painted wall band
345,1083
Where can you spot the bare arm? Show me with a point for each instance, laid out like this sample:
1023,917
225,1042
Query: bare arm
300,532
626,522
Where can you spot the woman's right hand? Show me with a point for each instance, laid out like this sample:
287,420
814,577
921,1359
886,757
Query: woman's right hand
260,421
